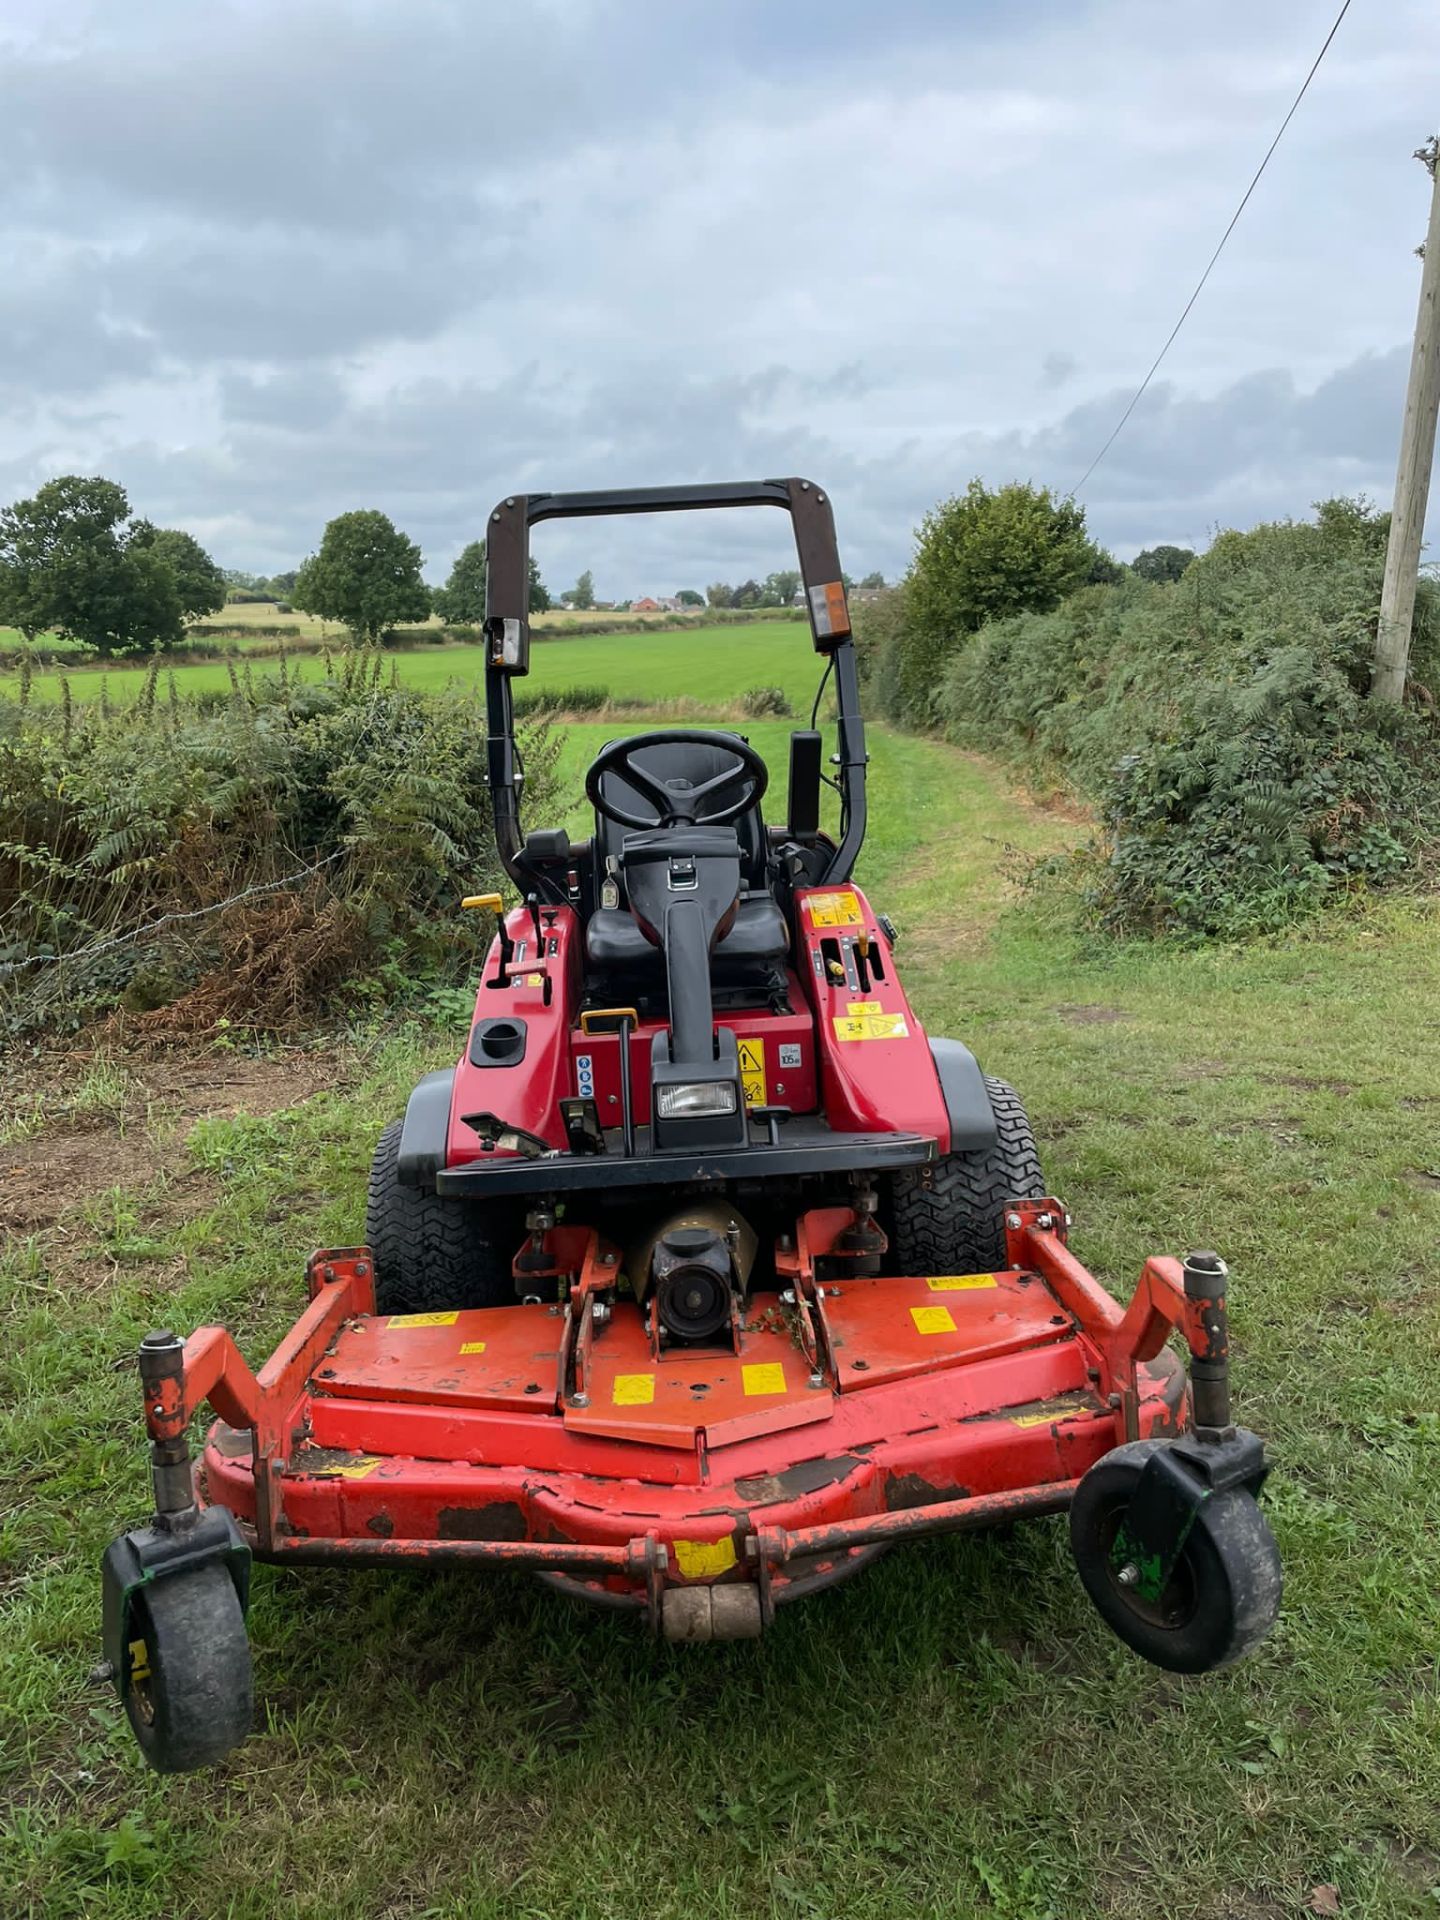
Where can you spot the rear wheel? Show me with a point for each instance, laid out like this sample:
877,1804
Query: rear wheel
434,1255
949,1216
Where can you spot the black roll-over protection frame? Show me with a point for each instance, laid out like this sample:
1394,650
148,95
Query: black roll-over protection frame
507,634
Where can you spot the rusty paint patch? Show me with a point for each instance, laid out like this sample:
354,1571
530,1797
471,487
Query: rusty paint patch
232,1443
909,1490
503,1521
382,1524
763,1490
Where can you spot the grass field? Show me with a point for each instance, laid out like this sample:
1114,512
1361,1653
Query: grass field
707,666
954,1734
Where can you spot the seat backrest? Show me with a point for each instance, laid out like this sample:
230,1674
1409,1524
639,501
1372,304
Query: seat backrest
693,763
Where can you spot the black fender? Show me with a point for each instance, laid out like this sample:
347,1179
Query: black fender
426,1130
967,1100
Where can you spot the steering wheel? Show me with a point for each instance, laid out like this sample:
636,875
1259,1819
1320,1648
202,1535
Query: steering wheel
679,805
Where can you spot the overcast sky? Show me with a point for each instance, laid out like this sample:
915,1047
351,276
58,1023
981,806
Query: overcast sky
264,262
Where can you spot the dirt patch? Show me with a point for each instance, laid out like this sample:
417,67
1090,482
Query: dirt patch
1303,1083
42,1178
1423,1178
1090,1016
71,1160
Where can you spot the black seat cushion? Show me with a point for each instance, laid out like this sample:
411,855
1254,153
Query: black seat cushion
757,939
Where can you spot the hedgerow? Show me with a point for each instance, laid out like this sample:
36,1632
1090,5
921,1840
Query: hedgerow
1220,725
146,818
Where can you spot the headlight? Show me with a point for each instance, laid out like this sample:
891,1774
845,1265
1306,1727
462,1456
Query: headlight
702,1096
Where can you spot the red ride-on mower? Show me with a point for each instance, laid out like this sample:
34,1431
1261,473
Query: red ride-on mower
704,1276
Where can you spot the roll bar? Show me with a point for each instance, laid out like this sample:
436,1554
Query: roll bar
507,630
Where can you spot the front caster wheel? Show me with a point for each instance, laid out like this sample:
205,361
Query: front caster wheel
1223,1593
186,1682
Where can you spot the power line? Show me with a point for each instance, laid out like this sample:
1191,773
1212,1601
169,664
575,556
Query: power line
1200,283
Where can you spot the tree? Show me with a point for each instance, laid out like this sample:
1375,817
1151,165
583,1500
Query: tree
979,557
720,593
688,597
539,593
1162,563
873,580
582,595
461,601
199,583
747,594
780,586
366,574
67,564
1104,569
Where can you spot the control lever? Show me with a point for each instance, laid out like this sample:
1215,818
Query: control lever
770,1118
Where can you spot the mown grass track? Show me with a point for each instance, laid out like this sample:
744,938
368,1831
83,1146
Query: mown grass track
954,1734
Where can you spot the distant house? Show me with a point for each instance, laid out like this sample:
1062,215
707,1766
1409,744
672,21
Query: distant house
647,605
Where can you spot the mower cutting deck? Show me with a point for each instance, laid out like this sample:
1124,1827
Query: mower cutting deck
704,1275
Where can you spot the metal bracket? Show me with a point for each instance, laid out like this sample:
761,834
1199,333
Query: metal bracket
1177,1480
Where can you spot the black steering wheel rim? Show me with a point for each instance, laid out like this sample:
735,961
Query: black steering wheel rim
616,758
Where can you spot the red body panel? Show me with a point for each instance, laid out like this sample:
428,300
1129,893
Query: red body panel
876,1069
777,1061
543,991
852,1045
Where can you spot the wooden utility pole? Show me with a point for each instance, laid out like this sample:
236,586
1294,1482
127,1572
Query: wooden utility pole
1412,478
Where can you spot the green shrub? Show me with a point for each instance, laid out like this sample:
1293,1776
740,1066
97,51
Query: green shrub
760,702
1220,726
979,557
108,825
531,700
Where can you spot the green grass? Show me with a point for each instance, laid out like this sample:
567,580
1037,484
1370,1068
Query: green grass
955,1733
708,667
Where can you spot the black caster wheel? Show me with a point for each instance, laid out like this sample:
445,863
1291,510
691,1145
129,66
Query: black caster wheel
186,1683
1223,1593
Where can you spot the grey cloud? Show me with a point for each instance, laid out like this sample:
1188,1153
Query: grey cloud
437,454
274,262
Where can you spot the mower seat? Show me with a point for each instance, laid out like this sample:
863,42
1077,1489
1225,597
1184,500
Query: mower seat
753,951
756,942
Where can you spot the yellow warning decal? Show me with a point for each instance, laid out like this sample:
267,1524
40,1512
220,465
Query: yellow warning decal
701,1559
767,1377
633,1390
351,1470
869,1026
959,1282
864,1006
752,1071
533,980
472,1346
140,1656
932,1319
422,1320
1066,1412
835,910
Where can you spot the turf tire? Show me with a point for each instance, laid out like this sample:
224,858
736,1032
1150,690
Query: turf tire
1224,1593
434,1255
949,1216
189,1696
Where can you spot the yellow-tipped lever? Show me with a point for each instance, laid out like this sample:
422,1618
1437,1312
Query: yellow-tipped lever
494,902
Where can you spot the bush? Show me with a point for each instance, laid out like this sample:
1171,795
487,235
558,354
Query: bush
979,557
760,702
530,700
1221,727
375,795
